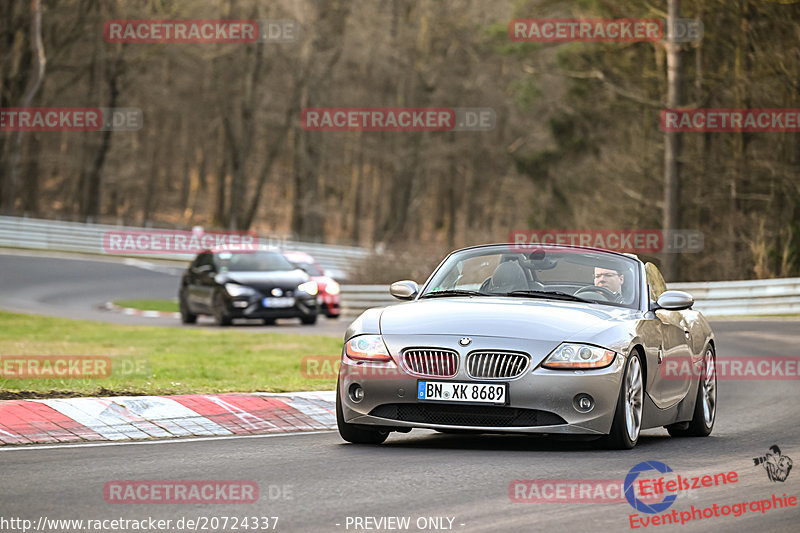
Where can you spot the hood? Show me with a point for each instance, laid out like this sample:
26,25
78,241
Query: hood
546,320
322,280
281,278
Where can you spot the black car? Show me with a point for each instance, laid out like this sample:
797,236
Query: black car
246,284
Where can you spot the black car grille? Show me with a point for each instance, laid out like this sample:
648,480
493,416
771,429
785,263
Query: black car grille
466,415
266,289
496,365
430,362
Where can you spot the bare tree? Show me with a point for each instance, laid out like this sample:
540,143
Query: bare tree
672,141
34,82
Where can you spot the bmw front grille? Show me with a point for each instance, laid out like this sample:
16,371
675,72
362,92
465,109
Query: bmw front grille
430,362
496,365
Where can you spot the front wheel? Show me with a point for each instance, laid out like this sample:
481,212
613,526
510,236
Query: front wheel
309,320
628,415
187,317
353,432
705,405
220,313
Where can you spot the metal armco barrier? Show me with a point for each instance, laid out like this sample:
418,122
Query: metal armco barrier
750,297
56,235
712,298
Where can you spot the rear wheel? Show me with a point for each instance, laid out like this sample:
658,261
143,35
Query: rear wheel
353,432
705,405
186,316
630,404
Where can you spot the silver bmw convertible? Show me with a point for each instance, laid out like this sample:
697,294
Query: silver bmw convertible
546,339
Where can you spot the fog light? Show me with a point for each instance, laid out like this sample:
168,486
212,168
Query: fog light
356,392
241,304
583,403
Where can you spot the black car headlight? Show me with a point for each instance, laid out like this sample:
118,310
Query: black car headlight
568,356
236,290
309,287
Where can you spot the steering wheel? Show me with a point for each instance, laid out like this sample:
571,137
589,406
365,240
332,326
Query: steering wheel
602,291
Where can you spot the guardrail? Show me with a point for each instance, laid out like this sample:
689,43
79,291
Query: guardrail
750,297
57,235
713,299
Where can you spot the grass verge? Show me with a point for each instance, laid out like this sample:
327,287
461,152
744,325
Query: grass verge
154,360
167,306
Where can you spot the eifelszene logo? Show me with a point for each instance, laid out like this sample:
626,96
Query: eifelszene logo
638,504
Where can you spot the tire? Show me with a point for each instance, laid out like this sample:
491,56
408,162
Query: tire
309,320
705,412
186,316
220,315
629,395
268,321
353,432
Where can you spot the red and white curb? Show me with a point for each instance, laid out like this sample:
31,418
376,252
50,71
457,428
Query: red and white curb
110,306
124,418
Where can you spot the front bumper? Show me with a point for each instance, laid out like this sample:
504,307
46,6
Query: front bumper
329,304
538,401
251,307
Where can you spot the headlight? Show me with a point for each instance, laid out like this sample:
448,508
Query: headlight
568,356
332,288
367,348
309,287
238,290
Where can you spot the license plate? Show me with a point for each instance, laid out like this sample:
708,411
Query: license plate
447,391
285,301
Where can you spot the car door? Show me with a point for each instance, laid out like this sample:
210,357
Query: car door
672,379
202,279
190,280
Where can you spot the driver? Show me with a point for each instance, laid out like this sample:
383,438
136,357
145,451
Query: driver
610,279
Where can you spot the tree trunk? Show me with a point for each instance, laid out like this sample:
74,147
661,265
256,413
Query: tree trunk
672,145
94,183
35,81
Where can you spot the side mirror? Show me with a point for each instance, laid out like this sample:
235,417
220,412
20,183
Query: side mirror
404,290
675,300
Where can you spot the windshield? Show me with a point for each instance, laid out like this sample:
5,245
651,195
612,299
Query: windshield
310,268
252,262
546,272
